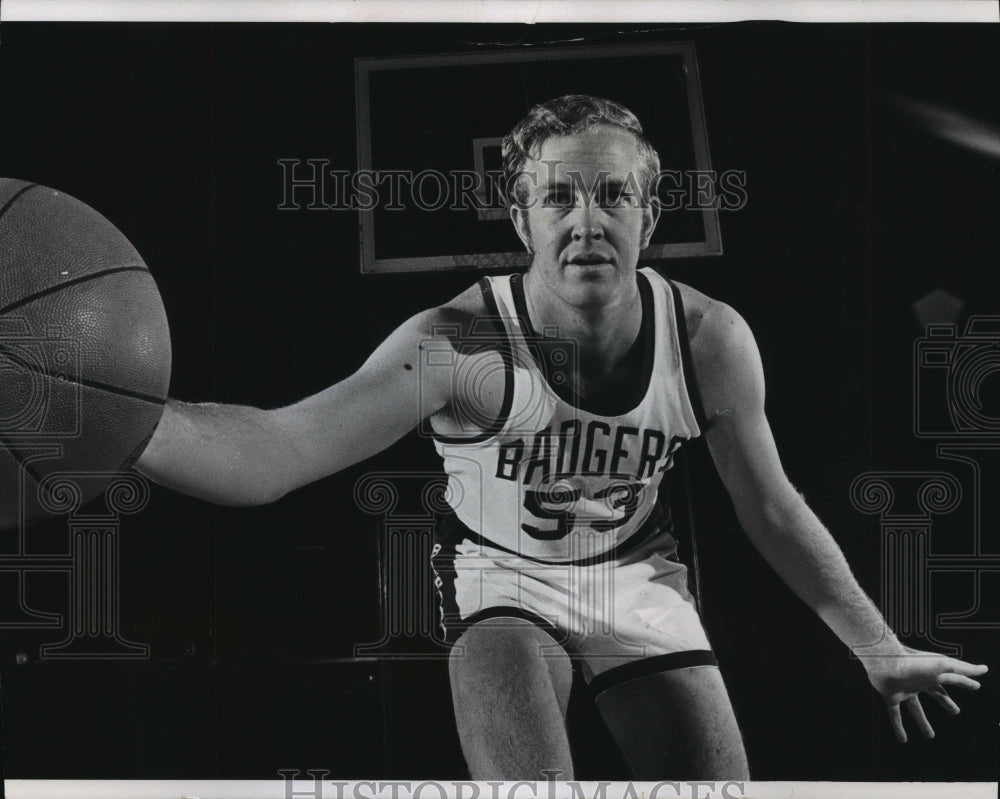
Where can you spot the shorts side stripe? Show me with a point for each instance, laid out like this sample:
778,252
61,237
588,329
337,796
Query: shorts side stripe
505,612
443,567
652,665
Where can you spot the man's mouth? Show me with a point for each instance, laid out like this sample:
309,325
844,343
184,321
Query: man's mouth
589,260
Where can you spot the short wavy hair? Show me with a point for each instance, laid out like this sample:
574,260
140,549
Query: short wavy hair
564,116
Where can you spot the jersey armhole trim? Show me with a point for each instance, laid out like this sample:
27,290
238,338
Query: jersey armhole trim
687,363
508,373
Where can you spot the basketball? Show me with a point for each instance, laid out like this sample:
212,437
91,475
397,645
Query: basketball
84,349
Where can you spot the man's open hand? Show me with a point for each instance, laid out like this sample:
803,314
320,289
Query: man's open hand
901,678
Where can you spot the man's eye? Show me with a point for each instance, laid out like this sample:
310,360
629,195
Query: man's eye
621,199
559,199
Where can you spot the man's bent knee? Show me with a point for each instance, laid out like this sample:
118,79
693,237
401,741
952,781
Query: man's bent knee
503,642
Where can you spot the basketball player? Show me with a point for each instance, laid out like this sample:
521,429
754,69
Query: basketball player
556,552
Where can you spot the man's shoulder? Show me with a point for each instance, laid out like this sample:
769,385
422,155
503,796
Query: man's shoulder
470,303
465,315
714,327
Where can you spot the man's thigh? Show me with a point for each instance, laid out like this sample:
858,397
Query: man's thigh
510,688
676,725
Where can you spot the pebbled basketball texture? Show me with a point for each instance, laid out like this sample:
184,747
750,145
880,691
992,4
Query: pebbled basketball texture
84,348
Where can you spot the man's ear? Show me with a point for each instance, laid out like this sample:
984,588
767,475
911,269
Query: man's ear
650,216
519,216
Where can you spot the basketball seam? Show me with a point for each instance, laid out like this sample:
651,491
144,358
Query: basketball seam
80,381
66,284
13,199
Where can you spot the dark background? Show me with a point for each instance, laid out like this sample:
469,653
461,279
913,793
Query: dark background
174,132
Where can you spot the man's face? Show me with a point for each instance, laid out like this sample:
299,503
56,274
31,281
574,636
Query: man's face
584,219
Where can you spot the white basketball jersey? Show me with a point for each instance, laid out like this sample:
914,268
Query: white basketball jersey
555,482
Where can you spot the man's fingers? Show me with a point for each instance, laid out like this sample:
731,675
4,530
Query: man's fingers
941,697
959,680
896,719
968,669
917,711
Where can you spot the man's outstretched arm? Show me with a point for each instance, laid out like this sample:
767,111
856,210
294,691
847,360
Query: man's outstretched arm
790,536
240,455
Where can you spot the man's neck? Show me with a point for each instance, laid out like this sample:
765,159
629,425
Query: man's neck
604,333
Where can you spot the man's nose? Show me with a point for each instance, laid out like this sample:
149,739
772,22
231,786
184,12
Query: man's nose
587,223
